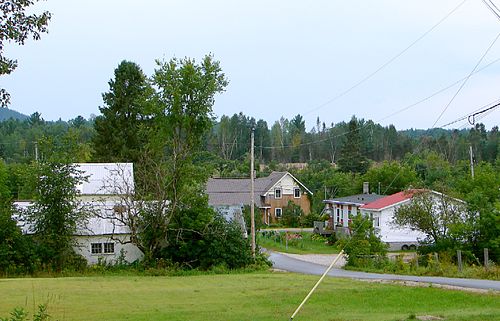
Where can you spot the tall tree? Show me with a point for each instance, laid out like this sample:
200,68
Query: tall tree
182,115
17,26
118,130
351,157
56,213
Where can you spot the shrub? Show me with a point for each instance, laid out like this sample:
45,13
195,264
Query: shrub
363,248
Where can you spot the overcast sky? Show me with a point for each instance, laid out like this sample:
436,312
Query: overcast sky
282,57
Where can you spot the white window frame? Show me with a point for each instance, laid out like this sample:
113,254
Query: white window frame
278,191
95,248
295,189
106,248
276,212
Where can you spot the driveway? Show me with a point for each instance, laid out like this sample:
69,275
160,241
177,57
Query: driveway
291,264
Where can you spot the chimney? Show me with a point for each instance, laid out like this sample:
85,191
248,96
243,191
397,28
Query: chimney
366,188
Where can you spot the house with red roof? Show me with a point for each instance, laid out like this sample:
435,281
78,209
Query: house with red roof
382,212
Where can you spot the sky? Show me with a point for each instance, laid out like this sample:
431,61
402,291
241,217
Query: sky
282,57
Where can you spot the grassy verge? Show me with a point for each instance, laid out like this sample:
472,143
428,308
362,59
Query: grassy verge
446,270
307,243
256,296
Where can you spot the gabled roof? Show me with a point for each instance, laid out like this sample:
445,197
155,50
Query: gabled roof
232,191
106,178
358,200
390,200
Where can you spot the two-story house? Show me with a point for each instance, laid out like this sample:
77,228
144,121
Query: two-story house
271,194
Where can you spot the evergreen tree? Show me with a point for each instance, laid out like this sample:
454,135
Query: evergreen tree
351,157
118,131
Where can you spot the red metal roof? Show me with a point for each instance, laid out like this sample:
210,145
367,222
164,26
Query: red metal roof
390,200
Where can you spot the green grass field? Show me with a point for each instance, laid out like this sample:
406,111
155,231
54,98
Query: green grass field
256,296
306,245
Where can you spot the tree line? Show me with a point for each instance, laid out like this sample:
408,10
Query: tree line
165,125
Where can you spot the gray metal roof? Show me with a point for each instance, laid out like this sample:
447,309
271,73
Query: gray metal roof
232,191
358,199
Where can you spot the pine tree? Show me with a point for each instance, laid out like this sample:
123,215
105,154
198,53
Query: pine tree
118,129
351,157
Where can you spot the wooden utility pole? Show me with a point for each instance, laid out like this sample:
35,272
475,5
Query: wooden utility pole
252,203
471,161
36,151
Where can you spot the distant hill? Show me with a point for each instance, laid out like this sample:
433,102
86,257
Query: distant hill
6,113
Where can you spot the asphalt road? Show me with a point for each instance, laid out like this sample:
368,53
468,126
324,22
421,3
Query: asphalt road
290,264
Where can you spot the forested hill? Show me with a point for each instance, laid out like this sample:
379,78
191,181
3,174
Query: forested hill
284,141
6,113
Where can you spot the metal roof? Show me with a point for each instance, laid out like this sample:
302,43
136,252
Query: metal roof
107,178
232,191
358,199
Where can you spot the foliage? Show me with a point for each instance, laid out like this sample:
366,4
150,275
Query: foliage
19,314
298,243
327,182
56,213
363,247
16,250
17,26
118,131
292,214
352,158
445,221
483,197
392,177
223,244
259,223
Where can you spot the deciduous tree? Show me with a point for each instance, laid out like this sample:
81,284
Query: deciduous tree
56,213
17,26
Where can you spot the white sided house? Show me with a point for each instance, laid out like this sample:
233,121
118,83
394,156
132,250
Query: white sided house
103,238
382,212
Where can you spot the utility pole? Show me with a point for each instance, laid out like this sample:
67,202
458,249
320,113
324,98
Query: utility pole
471,162
252,205
36,152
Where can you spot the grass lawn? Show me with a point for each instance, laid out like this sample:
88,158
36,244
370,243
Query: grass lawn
256,296
305,245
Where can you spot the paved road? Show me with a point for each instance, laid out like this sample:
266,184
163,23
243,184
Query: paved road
287,263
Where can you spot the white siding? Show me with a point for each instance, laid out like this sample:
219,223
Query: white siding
83,247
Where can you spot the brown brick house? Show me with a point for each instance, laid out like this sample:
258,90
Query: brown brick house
271,195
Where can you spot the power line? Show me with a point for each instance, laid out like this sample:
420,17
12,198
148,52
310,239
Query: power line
466,79
471,118
465,117
366,78
388,116
489,5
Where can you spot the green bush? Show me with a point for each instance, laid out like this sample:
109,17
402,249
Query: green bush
364,248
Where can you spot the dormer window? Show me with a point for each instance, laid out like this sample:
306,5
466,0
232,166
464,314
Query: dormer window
277,193
296,192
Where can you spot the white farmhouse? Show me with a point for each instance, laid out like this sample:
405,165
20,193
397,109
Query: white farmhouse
382,212
103,239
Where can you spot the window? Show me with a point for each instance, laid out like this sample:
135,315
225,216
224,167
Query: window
109,248
376,221
100,248
277,193
96,248
277,212
296,192
338,215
